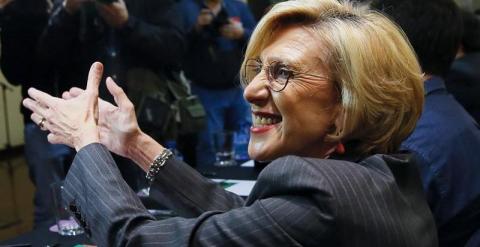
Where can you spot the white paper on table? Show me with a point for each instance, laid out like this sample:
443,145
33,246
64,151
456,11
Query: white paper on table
249,163
239,187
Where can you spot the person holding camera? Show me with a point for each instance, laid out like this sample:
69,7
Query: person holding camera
122,34
218,31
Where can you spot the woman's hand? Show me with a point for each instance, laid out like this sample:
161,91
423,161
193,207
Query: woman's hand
118,125
73,122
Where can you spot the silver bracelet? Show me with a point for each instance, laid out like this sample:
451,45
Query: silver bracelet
157,164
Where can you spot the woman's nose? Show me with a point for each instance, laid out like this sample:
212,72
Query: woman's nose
256,91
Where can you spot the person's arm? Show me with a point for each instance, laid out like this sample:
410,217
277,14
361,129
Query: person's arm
184,189
120,133
113,215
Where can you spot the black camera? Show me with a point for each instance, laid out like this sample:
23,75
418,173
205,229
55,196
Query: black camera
221,19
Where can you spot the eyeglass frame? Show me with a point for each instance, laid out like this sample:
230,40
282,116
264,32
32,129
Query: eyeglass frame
270,77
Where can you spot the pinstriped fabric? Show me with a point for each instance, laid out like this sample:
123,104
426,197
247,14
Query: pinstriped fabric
170,186
296,202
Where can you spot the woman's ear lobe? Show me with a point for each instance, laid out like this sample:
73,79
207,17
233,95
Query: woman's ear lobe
340,149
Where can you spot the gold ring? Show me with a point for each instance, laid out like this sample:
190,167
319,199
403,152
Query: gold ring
41,123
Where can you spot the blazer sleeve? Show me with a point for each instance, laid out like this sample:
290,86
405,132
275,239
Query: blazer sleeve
181,188
113,215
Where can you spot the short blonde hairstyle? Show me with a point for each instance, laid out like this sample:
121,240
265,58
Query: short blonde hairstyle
370,62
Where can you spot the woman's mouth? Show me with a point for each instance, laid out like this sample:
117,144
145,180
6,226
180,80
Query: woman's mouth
263,122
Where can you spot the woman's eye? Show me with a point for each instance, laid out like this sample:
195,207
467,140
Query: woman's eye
282,73
257,69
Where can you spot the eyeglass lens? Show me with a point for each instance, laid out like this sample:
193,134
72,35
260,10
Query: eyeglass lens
277,73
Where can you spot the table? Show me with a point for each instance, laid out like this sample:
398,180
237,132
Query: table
41,236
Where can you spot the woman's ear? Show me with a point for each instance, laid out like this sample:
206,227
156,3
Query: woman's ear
340,121
336,133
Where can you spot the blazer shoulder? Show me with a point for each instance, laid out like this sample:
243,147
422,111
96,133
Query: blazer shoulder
377,165
331,176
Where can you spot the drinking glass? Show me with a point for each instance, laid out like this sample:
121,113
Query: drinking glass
224,148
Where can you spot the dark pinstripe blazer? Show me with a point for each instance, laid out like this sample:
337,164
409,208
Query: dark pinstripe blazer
296,202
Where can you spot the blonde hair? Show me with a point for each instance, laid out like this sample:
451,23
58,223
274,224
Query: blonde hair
370,62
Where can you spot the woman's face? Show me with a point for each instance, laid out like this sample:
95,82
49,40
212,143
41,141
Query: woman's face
295,120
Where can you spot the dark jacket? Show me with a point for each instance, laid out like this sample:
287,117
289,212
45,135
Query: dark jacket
22,23
446,144
463,82
152,38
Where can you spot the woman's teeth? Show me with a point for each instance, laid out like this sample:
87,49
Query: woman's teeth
259,121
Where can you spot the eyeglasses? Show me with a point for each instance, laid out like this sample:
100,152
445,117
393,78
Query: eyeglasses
278,74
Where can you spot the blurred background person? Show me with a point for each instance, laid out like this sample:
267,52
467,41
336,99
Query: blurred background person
124,35
446,140
463,79
218,31
22,23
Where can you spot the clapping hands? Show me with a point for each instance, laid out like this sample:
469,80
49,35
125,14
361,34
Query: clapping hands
117,124
74,121
80,117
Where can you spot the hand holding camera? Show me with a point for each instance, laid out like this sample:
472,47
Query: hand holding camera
114,12
205,18
233,30
71,6
4,3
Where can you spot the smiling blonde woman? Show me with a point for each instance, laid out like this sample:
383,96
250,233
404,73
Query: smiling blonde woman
333,88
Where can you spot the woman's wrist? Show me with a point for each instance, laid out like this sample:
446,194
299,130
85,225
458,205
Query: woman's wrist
143,149
88,137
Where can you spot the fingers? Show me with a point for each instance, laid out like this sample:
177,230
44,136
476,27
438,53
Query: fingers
206,12
57,139
94,77
118,95
75,91
53,139
41,97
205,17
66,95
35,106
119,4
103,9
40,121
72,93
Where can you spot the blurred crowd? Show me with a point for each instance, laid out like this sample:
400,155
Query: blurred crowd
50,44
